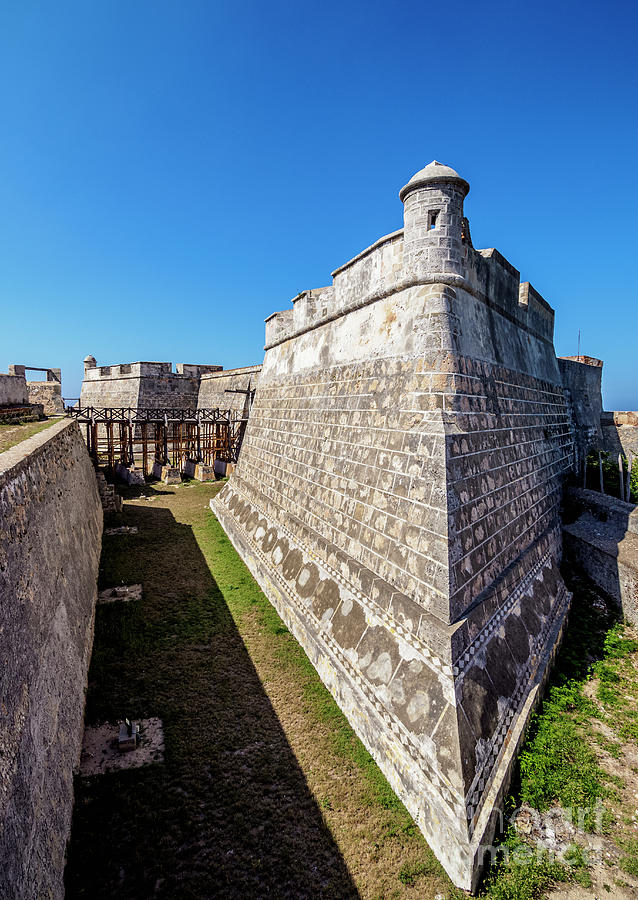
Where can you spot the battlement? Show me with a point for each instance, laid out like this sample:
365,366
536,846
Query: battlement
148,369
433,247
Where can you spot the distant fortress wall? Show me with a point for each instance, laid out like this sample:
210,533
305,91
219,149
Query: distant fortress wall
143,384
397,498
154,385
229,389
13,390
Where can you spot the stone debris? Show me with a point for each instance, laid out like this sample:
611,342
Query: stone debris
123,529
124,592
111,500
100,751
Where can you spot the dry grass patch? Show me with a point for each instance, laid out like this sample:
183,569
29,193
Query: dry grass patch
10,435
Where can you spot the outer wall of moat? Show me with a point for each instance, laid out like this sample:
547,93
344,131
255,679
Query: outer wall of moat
397,498
50,537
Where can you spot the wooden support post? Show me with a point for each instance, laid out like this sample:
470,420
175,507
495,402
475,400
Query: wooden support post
145,448
600,468
130,443
630,466
621,473
110,448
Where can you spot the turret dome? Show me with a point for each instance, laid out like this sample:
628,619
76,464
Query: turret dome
434,173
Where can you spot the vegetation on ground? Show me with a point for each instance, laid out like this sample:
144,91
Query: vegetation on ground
16,432
266,790
611,474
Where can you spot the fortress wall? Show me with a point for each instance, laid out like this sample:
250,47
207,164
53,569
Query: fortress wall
13,390
144,384
582,379
50,537
213,389
49,394
397,498
117,386
387,482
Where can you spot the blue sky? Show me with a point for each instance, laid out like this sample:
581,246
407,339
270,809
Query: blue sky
173,172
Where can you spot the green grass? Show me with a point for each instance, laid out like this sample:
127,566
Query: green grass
13,434
207,652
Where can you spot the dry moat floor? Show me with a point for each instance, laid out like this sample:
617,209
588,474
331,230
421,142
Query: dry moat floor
265,791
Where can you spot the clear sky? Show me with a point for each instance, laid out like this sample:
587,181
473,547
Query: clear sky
173,172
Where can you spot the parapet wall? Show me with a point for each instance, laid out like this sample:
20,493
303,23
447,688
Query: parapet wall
50,537
143,384
154,385
398,499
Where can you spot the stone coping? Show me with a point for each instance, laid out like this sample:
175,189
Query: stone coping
12,457
407,281
242,370
386,239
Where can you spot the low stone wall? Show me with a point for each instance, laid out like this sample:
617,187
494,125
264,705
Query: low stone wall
13,390
50,538
603,542
620,432
48,394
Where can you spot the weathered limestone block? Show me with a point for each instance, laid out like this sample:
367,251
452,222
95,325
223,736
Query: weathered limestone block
13,390
50,537
397,498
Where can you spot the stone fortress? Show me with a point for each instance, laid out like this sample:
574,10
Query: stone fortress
397,497
154,385
407,527
29,399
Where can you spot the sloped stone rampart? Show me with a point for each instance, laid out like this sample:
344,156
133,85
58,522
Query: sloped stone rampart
397,498
50,537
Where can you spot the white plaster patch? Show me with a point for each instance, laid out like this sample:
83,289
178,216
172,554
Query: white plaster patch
260,532
381,668
325,619
397,694
303,577
346,606
277,555
407,651
418,705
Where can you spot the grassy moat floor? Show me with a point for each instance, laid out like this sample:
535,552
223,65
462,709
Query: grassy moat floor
265,790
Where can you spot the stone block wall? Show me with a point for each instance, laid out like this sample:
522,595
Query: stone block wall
48,394
216,391
50,538
620,432
582,380
398,499
143,384
13,390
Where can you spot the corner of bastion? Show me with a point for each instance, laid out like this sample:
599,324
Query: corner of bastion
398,499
